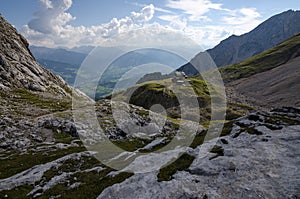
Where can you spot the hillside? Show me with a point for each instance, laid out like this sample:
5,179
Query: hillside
269,79
273,88
239,48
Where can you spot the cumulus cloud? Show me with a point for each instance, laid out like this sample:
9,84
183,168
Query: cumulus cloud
146,14
51,16
50,26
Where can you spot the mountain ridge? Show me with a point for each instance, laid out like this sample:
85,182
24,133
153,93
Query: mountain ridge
58,55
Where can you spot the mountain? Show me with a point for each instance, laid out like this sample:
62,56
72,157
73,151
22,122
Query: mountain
249,151
238,48
27,89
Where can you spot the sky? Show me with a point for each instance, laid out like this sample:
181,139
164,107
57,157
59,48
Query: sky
70,23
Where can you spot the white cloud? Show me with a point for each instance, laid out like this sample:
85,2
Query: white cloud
50,26
242,20
145,15
175,21
195,9
208,32
155,8
51,16
46,3
241,16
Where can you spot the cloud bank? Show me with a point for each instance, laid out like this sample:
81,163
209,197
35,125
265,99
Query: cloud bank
193,18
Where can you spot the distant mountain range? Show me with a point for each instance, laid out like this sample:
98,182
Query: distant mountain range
238,48
58,55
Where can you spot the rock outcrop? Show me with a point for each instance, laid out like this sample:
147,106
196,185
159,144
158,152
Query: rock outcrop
18,67
258,158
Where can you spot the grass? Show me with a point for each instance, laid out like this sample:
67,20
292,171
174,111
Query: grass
131,145
182,163
198,140
20,162
23,102
25,96
73,165
279,119
218,150
63,138
91,183
149,94
18,192
236,110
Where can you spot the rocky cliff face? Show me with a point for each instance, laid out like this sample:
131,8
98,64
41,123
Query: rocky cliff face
18,67
267,35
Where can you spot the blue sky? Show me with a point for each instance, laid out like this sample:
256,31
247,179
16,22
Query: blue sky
69,23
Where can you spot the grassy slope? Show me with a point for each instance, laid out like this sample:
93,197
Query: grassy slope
267,60
161,92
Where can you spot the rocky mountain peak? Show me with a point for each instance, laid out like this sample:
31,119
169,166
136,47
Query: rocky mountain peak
18,67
